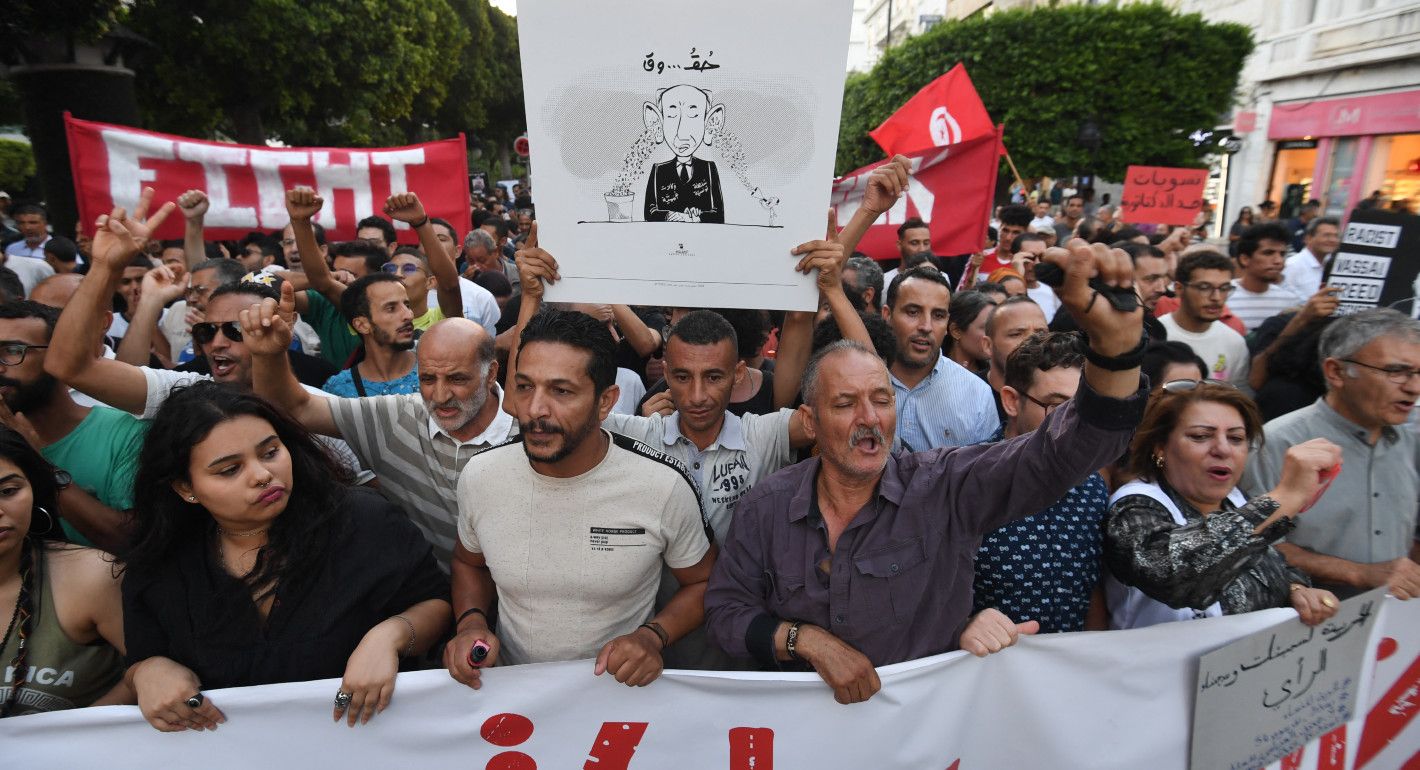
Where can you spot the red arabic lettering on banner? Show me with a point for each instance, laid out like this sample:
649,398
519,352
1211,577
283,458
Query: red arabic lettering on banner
246,184
951,189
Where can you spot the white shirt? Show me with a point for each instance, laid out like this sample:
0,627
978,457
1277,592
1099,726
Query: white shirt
29,271
1044,296
1045,221
1254,308
748,449
1221,348
1302,274
479,305
21,248
632,388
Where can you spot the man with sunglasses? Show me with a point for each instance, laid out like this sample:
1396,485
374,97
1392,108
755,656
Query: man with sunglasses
1045,567
73,356
1361,534
1204,280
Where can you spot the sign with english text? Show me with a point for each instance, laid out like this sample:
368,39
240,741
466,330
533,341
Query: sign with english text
1378,263
682,149
1162,196
246,185
1100,700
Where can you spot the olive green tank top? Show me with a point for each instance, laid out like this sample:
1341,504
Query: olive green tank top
59,674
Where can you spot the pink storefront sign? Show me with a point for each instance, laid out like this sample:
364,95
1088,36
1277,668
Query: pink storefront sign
1395,113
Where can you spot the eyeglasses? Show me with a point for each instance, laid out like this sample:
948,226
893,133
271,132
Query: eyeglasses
13,353
408,268
1398,375
288,242
204,333
1207,289
1184,386
1043,405
197,291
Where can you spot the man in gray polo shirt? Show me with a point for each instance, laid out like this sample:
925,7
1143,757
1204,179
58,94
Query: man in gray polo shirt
1361,534
416,444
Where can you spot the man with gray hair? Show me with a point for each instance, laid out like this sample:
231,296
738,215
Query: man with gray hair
481,254
417,443
1361,534
862,557
863,276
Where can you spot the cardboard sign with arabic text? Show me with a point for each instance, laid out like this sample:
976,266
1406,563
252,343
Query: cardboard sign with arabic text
1267,694
1162,196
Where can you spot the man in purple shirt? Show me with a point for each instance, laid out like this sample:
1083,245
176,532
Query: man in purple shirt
861,558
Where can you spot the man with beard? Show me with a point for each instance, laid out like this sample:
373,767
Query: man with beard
377,308
939,402
417,442
862,557
569,529
1204,281
914,247
94,450
1262,254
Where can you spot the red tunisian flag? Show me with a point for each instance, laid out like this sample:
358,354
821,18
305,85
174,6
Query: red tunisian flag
946,111
951,189
246,186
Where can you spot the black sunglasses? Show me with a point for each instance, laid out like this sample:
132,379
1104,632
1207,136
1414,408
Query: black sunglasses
204,333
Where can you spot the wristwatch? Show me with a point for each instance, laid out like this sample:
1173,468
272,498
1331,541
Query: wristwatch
62,479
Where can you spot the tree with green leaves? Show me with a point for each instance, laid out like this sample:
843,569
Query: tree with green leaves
313,72
486,91
1144,76
17,165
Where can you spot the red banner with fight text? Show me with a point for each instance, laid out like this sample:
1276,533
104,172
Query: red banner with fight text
247,185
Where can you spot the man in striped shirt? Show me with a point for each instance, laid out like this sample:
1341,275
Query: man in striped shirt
416,443
1262,251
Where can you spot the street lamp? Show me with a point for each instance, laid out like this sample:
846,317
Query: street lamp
1090,139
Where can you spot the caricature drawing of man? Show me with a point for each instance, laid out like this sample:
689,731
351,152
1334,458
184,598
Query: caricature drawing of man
686,189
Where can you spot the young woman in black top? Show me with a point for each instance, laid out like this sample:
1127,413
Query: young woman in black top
254,562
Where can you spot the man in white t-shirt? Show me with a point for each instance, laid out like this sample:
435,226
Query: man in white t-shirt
1042,216
33,223
1204,280
1262,253
545,527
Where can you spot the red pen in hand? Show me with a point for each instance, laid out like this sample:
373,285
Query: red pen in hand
478,653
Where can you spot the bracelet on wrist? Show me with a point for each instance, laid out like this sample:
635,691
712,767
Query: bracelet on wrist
791,642
466,613
408,648
1121,362
659,632
419,224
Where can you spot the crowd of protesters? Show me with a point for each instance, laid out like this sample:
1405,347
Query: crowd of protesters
285,459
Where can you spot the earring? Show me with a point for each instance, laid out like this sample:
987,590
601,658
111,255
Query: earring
192,498
49,517
1158,461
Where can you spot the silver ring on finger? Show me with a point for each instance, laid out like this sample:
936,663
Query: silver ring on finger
342,700
196,701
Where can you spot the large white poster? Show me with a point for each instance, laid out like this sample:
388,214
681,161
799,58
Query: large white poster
680,149
1117,699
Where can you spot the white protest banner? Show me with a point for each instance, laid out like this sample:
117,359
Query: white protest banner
1266,695
1117,699
680,149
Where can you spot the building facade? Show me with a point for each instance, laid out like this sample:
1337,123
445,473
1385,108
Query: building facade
1329,104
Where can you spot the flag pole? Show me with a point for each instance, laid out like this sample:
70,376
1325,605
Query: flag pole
1012,164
